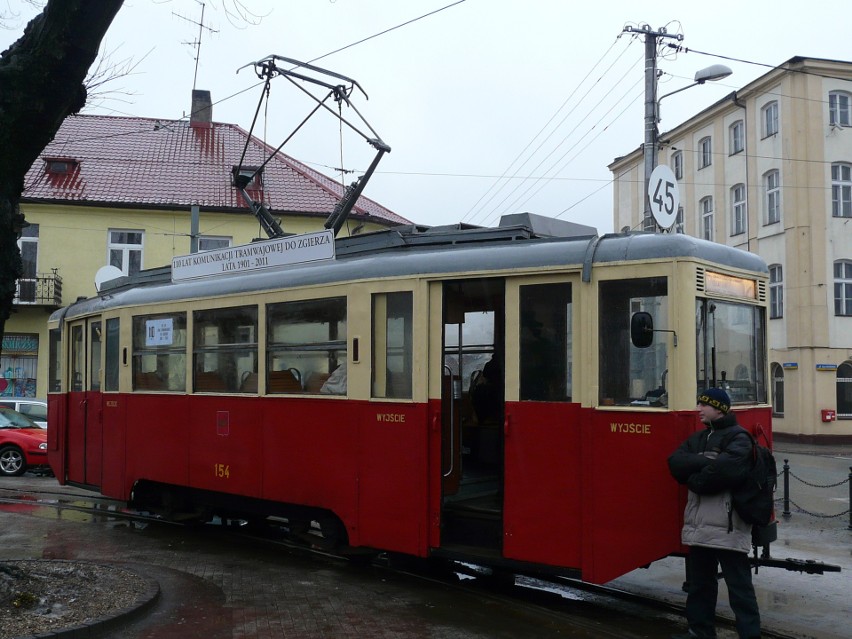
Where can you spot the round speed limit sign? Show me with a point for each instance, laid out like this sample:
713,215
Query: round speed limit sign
664,196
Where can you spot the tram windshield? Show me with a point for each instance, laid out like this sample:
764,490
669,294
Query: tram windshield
730,348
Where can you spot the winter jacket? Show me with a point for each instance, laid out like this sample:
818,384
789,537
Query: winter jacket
710,474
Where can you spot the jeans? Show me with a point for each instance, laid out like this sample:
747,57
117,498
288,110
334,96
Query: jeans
702,566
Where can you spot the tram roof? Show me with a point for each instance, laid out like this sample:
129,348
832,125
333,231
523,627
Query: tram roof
424,251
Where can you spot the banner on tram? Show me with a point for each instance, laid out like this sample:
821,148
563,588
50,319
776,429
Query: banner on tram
293,249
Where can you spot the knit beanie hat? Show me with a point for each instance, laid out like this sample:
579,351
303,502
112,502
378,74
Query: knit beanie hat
717,398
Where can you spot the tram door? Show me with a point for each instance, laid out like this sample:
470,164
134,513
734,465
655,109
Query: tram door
472,403
84,437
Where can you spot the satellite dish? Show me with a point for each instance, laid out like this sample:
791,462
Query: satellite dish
105,274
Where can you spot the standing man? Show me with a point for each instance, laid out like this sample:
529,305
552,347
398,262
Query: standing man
711,463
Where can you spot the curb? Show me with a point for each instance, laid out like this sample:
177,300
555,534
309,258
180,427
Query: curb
101,625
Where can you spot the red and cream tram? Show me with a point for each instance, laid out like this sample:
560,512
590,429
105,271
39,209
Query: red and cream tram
489,394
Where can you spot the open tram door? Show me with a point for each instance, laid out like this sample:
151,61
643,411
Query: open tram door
472,409
84,427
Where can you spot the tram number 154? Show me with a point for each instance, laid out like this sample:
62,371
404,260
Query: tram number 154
222,471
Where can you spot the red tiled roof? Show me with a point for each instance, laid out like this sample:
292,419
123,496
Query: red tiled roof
128,161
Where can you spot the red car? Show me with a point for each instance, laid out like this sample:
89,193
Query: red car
22,443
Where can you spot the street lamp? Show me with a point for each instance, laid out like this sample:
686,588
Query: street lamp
652,118
710,74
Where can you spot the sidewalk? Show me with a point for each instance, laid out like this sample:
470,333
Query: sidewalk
807,606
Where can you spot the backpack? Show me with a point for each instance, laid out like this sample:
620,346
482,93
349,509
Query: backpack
754,498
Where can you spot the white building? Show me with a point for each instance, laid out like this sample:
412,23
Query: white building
768,169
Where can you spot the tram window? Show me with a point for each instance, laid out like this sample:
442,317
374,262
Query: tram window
546,342
731,349
78,358
159,352
224,350
54,359
631,375
113,355
306,345
392,345
95,345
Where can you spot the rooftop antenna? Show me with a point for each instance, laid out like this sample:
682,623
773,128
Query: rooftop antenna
196,44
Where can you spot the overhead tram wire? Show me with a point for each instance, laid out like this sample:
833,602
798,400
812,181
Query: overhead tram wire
506,174
381,33
496,210
542,182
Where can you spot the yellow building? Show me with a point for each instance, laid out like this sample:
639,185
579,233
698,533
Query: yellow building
121,191
768,169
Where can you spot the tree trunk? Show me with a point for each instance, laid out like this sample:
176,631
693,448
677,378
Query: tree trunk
41,83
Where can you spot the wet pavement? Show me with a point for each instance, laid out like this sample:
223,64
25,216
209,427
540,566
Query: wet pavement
800,605
215,587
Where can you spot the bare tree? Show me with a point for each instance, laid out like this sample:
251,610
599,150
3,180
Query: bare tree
41,83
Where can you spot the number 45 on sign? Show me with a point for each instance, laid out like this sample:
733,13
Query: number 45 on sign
664,196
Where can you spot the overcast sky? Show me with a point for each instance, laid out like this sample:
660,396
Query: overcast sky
489,106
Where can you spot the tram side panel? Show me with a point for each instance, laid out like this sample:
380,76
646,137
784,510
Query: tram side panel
632,508
392,501
57,434
158,428
543,492
226,443
114,446
75,433
308,453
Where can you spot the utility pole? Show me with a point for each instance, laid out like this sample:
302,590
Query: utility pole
651,117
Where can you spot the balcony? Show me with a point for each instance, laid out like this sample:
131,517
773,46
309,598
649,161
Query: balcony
45,289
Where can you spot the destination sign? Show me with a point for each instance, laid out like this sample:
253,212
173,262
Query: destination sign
294,249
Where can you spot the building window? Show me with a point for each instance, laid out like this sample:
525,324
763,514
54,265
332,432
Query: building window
769,117
841,190
737,131
252,175
776,291
777,390
125,250
211,243
706,208
677,164
679,220
839,108
843,287
705,152
60,166
844,390
772,183
738,209
27,283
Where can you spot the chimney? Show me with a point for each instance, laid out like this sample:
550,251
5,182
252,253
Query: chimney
201,115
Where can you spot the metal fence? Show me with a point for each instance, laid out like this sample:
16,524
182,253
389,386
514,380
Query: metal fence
786,475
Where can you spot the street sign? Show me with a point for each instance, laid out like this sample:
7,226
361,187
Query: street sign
664,196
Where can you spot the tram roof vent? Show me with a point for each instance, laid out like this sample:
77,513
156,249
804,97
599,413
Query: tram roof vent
543,226
699,280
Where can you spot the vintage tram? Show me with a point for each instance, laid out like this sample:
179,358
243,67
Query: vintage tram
499,395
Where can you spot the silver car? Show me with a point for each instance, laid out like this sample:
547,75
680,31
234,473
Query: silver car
35,409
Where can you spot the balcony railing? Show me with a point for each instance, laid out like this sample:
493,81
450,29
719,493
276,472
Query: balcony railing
45,289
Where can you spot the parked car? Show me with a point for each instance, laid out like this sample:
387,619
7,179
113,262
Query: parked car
23,444
35,409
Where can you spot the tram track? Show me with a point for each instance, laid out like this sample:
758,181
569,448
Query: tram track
587,607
